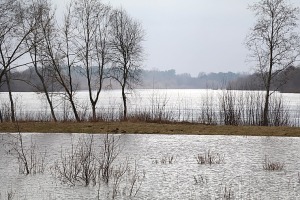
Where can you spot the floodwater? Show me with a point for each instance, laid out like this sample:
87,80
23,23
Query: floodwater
240,175
177,104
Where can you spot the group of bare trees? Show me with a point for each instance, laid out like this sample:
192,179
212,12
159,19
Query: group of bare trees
106,43
93,38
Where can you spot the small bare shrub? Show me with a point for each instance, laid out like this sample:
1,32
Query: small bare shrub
209,158
5,112
87,161
208,112
134,181
117,175
272,166
30,161
77,165
230,113
279,112
126,180
110,151
83,165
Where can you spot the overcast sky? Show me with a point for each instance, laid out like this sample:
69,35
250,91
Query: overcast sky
192,36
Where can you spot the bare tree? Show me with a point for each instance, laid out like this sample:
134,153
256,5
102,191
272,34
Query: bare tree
42,15
127,52
6,25
13,34
273,43
62,56
92,18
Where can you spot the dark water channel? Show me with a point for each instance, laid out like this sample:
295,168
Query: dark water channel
166,168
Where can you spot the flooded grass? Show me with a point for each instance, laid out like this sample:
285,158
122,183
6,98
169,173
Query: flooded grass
209,158
270,165
148,128
241,176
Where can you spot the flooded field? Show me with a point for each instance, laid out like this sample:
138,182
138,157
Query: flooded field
193,105
150,167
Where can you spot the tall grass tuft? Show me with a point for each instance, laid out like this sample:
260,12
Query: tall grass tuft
271,165
209,158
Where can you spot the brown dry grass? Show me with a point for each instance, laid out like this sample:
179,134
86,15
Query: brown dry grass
147,128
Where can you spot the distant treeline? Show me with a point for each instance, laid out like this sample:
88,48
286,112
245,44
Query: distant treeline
286,82
170,80
27,81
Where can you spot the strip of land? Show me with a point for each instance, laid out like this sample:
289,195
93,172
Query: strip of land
146,128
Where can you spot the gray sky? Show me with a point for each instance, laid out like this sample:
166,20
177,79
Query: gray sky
192,36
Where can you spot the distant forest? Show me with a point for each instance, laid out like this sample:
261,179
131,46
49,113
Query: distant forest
27,81
286,82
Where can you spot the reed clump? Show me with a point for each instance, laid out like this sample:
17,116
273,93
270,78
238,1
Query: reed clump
165,159
272,165
210,158
226,107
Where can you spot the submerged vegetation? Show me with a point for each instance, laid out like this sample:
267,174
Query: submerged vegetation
100,165
210,158
272,165
87,162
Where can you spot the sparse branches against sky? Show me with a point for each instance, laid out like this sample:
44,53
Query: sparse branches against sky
192,36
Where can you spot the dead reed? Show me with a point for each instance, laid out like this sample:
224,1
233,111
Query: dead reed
209,158
271,165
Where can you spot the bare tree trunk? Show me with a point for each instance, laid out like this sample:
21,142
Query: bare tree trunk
267,97
265,121
124,103
94,111
46,93
12,106
1,118
74,109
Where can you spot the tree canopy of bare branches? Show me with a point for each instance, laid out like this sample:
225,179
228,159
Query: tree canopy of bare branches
273,43
94,40
41,14
127,51
92,18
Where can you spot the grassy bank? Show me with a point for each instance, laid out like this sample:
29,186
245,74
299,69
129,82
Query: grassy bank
147,128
